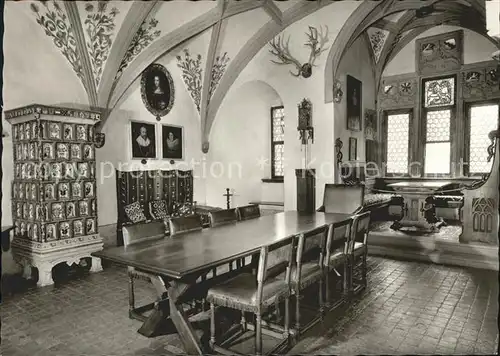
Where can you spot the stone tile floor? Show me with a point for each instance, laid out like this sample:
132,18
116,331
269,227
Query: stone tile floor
408,308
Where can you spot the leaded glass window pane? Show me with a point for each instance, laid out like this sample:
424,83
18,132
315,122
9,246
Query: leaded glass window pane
397,143
438,125
439,92
483,119
278,160
278,138
278,124
437,158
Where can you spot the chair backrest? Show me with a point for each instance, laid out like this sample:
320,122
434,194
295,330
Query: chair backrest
273,260
360,227
184,224
338,239
143,232
344,199
311,247
221,217
248,212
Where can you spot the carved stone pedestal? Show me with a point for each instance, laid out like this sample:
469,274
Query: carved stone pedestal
45,255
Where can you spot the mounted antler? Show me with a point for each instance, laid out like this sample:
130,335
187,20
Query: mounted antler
279,48
315,41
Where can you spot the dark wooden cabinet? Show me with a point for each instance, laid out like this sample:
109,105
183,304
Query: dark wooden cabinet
306,190
173,186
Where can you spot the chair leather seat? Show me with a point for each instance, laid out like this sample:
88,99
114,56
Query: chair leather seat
310,272
336,258
240,292
358,247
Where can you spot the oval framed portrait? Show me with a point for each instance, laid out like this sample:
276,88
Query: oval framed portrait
157,90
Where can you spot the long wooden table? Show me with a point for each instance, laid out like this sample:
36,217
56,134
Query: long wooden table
178,262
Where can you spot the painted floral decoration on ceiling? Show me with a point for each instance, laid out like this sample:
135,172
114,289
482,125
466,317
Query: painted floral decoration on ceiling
56,24
99,26
218,70
377,40
192,74
143,38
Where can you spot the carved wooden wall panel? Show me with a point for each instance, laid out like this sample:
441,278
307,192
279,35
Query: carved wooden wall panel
480,83
480,211
398,92
440,53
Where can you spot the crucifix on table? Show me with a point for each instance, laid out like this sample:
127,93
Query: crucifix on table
228,195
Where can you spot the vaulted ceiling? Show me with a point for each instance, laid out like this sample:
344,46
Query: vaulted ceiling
109,44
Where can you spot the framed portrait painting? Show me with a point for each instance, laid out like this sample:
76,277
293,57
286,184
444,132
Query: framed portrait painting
370,124
354,104
157,90
143,140
172,138
353,149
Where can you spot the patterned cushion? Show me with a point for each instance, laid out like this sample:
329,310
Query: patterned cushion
158,209
135,212
182,209
376,198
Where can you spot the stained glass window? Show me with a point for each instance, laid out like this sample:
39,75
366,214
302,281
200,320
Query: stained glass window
278,138
438,145
483,119
398,127
439,92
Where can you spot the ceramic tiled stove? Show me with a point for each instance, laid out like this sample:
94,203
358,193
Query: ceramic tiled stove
54,207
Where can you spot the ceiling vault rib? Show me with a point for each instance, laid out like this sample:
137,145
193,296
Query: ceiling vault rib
74,18
389,45
386,25
171,40
249,50
273,11
138,12
337,49
207,77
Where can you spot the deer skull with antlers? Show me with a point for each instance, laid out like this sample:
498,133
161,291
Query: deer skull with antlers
316,41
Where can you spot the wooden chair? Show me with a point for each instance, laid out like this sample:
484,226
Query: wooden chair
131,235
308,268
341,198
256,294
184,224
335,255
358,249
248,212
223,217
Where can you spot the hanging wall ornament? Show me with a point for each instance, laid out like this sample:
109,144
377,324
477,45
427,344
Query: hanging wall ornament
337,92
305,127
157,90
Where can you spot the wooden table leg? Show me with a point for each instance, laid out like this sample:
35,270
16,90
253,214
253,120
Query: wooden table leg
180,320
170,308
